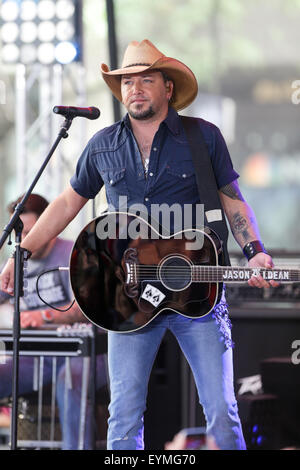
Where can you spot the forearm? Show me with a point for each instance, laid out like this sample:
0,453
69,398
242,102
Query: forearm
239,214
38,318
243,224
244,228
73,315
54,219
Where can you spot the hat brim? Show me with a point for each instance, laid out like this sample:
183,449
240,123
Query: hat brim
185,83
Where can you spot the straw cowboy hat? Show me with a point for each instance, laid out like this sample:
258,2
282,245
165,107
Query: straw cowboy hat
143,56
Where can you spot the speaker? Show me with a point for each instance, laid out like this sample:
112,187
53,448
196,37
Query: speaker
259,335
269,417
172,396
281,376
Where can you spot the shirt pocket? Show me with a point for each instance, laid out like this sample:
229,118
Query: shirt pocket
183,170
115,184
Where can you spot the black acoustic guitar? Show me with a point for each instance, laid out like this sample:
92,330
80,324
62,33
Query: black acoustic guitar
124,272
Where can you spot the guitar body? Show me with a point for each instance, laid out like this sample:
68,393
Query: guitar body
124,273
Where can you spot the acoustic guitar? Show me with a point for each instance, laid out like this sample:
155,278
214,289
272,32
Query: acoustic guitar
124,272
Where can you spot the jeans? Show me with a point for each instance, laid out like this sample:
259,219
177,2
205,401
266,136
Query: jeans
130,360
70,434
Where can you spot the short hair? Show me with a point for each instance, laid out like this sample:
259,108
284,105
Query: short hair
35,203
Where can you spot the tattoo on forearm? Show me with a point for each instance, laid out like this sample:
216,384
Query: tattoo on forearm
240,226
232,190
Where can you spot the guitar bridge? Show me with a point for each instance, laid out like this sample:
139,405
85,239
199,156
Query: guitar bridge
130,261
131,277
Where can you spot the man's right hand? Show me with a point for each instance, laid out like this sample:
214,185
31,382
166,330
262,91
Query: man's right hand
7,277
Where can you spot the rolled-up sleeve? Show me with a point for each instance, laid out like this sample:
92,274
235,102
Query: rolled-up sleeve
87,180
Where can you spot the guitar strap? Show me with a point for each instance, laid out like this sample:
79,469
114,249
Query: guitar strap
206,181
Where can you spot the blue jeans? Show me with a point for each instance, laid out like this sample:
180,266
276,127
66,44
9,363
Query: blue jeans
70,434
130,360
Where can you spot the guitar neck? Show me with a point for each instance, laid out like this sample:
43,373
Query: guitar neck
201,273
230,274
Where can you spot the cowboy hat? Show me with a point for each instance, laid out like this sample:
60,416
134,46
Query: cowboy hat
143,56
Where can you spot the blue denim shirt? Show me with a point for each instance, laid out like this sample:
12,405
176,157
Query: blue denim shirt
112,157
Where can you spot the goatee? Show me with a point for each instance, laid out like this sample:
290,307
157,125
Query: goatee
142,115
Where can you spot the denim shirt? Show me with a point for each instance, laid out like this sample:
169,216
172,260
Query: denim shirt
112,157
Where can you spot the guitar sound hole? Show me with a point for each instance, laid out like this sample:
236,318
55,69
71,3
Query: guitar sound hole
175,273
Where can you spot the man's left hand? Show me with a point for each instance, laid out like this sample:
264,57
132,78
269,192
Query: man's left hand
261,260
31,319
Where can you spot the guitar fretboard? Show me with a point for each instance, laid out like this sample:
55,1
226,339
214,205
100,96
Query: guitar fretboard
242,274
201,273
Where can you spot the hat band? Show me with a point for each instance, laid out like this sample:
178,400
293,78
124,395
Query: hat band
135,65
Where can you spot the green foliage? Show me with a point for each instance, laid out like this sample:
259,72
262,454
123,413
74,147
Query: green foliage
210,36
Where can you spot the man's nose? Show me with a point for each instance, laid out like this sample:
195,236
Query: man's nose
137,86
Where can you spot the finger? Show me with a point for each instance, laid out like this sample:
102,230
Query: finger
258,281
10,287
274,283
24,323
254,281
4,282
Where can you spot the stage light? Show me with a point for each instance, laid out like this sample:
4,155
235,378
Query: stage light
52,27
9,10
28,54
46,9
9,32
64,31
10,53
64,9
28,32
65,52
46,31
45,53
28,10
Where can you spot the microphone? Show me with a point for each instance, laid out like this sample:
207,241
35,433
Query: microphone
72,111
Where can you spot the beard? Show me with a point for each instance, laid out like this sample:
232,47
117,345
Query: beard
142,115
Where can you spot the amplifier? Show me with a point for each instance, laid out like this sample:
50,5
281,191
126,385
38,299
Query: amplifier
55,340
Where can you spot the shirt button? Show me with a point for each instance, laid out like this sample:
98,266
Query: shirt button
184,175
111,181
146,199
154,149
151,174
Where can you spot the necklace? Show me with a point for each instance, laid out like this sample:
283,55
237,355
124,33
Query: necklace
146,165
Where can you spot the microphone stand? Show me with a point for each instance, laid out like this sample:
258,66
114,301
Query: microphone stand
20,256
94,371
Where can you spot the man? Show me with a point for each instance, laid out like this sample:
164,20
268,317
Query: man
54,287
146,158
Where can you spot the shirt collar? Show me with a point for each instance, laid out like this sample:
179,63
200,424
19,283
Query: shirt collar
172,122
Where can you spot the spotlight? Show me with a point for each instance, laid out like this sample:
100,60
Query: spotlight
52,27
45,53
10,53
9,32
46,9
64,9
65,52
64,31
9,10
28,32
28,54
46,31
28,10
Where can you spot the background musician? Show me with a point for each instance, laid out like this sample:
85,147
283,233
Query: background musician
54,287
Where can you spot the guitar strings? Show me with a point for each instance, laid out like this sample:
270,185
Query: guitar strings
205,272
